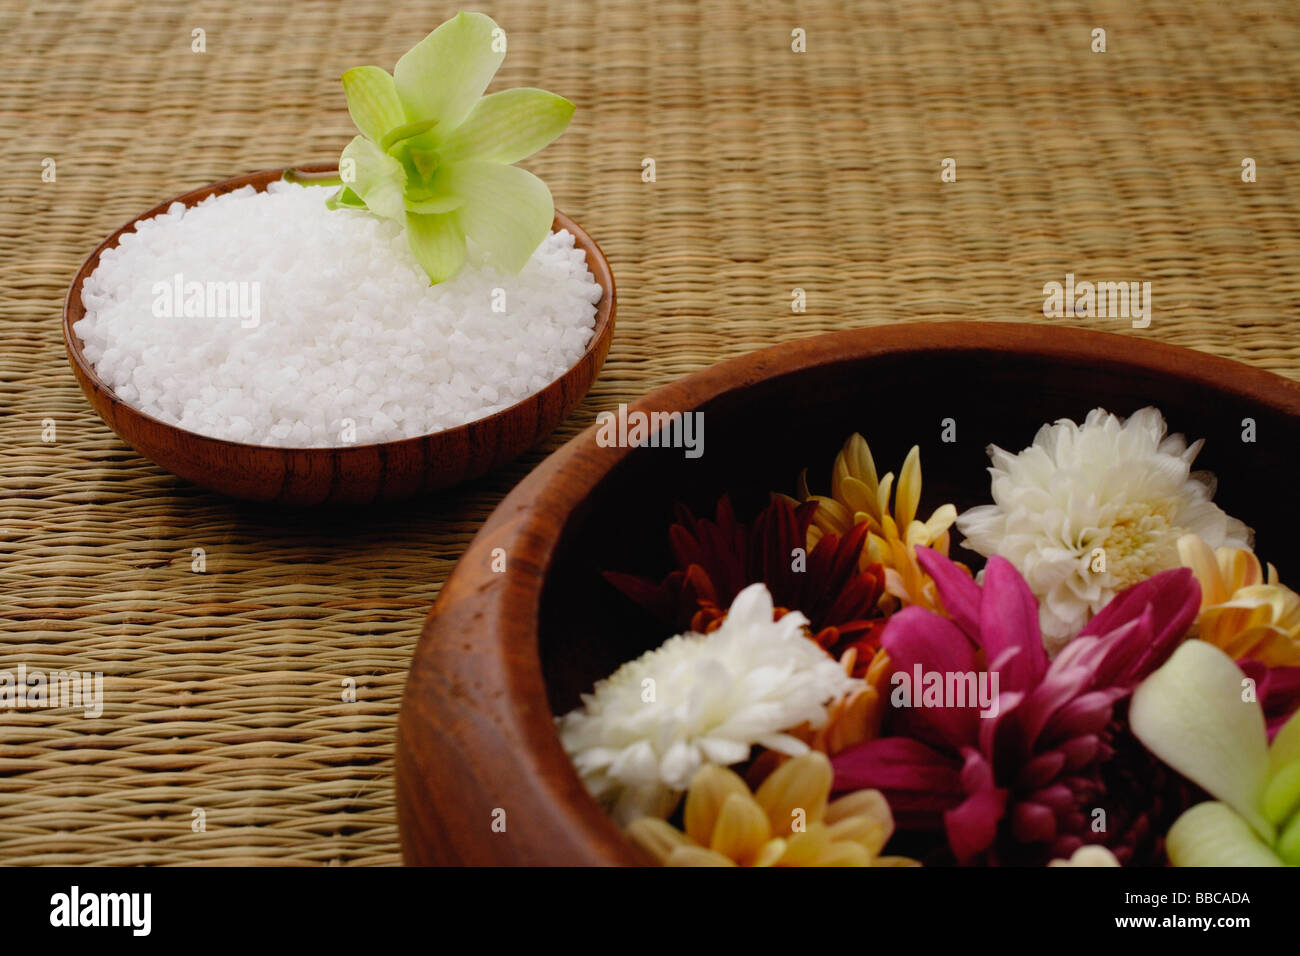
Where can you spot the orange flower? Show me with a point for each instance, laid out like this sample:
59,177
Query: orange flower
1244,612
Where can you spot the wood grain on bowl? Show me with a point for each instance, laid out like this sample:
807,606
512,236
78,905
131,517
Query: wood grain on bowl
356,474
503,652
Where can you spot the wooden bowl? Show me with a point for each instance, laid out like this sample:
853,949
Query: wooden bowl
355,474
502,653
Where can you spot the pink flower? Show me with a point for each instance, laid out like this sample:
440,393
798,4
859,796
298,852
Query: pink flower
1022,784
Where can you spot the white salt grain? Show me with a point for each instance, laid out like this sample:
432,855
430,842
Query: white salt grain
349,335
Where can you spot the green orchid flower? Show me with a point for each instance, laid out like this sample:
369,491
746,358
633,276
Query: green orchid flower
1191,714
435,155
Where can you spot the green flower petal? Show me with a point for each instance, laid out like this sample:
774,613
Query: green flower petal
508,126
437,243
445,73
1281,797
1190,714
1281,800
372,101
431,195
508,211
404,132
1210,834
1288,844
379,179
1286,744
344,198
436,204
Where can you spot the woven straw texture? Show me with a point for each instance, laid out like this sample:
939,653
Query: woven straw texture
225,737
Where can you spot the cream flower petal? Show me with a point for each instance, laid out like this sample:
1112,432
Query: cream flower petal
771,853
808,847
1199,556
831,517
909,489
863,817
881,509
860,803
801,487
943,518
657,837
797,790
726,822
1190,713
742,829
1285,748
1212,834
857,496
892,538
1092,854
709,791
844,854
856,460
697,856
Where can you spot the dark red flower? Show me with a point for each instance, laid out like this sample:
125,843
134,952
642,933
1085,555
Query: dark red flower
717,559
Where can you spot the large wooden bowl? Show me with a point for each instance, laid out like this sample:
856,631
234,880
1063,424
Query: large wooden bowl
503,652
355,474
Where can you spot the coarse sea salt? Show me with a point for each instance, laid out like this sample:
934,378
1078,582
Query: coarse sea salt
265,317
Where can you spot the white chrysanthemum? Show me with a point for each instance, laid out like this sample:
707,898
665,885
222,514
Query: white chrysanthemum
1119,486
643,732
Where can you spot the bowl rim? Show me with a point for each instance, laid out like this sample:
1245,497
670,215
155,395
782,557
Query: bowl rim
73,344
449,728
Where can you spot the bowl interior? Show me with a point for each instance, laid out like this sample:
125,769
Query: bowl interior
758,437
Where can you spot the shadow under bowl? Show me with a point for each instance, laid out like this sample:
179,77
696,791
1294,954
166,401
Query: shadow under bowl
501,653
351,474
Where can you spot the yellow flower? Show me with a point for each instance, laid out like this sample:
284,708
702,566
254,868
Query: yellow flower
1244,612
788,822
857,495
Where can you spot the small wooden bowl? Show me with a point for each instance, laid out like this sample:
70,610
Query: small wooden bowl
354,474
502,653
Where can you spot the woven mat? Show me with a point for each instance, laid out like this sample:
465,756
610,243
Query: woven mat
774,170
